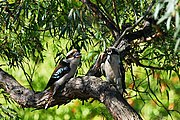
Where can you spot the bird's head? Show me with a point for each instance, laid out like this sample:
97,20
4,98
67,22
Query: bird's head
111,52
73,56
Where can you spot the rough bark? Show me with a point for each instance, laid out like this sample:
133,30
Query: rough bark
80,87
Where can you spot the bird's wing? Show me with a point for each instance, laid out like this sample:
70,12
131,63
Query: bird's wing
62,69
122,71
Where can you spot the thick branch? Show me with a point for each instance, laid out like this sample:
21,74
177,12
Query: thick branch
81,87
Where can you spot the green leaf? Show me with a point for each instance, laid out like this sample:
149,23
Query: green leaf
168,23
158,8
177,19
70,13
176,33
177,45
170,7
163,18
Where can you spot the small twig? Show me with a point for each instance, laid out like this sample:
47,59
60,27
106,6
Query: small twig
148,66
29,79
145,66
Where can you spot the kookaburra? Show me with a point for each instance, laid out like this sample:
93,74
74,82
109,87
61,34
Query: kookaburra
112,68
64,71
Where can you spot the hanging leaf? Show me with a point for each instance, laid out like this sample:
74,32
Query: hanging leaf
177,45
168,22
158,8
177,22
70,14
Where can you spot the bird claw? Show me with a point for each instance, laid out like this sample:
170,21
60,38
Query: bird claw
46,106
49,101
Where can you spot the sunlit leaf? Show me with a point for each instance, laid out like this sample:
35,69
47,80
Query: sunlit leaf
70,13
158,8
170,6
171,106
177,45
168,22
176,32
177,22
163,18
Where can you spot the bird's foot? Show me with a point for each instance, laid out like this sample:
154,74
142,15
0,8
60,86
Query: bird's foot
50,99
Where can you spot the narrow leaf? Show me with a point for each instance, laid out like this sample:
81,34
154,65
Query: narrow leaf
177,19
177,45
158,7
162,18
168,22
70,13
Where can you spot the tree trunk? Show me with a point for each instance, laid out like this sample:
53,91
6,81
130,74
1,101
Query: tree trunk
80,87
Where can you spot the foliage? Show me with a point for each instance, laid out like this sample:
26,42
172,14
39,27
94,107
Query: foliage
171,14
32,31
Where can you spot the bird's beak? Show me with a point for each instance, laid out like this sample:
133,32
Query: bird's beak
77,55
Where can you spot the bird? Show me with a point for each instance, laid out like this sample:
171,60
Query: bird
64,71
95,69
113,69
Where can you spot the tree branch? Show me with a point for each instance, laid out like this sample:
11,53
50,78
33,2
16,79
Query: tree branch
132,27
80,87
109,23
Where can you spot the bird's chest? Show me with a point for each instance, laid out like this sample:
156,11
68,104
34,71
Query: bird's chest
109,71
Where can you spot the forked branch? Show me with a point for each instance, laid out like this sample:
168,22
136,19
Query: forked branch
80,87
